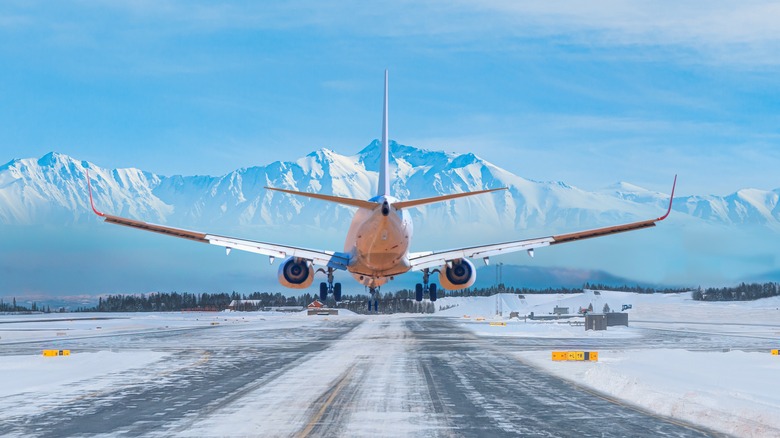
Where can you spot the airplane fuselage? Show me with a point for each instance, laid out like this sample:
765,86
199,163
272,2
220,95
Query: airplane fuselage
378,242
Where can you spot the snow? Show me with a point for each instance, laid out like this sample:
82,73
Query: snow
66,377
52,190
732,392
53,326
383,402
729,391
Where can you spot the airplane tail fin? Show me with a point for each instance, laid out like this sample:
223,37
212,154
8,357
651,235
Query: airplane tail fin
384,179
384,163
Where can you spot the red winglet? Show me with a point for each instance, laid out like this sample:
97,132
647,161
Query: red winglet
92,202
671,198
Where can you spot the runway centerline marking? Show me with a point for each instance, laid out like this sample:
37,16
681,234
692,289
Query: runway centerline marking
334,392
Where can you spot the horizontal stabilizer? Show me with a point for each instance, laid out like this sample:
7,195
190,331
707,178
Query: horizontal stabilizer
359,203
415,202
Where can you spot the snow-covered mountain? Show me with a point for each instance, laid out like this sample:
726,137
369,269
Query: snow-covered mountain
52,190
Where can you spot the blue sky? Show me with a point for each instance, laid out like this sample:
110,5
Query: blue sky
589,93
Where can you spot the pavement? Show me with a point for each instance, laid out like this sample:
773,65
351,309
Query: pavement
344,376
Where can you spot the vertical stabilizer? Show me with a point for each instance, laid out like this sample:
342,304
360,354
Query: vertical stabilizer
384,163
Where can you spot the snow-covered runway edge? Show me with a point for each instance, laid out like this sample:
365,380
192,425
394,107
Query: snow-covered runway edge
732,390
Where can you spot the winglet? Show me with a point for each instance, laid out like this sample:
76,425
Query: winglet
91,201
671,198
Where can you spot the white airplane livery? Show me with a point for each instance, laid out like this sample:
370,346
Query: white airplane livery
378,241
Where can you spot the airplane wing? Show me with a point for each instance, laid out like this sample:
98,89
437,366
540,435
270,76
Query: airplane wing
332,259
430,259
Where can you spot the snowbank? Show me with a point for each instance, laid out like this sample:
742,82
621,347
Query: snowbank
733,392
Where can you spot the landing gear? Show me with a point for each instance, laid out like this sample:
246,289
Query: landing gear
421,288
330,287
337,292
323,291
418,292
374,294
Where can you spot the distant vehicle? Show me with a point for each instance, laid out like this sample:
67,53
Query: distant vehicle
625,307
376,247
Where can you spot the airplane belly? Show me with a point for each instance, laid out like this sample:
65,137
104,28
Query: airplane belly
381,244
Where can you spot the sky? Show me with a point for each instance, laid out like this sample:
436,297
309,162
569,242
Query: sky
589,93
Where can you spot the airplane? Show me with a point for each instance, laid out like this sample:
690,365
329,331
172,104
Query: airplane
378,241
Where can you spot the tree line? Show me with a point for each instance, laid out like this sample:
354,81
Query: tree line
401,301
15,308
743,292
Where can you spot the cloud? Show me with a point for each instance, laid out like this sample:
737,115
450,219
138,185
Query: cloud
663,22
740,33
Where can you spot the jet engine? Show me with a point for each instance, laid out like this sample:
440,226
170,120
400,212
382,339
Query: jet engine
296,273
459,274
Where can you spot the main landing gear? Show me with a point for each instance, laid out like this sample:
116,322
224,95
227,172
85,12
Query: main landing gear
421,288
330,287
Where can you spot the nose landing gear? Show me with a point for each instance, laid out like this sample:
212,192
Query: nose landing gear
374,294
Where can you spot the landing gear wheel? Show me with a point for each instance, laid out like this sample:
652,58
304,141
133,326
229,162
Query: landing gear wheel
337,292
418,292
432,291
323,292
376,306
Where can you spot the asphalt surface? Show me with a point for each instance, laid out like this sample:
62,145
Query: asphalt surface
432,374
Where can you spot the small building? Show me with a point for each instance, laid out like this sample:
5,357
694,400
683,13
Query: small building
616,318
561,310
316,304
595,321
317,308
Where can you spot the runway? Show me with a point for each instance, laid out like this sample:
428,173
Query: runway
345,376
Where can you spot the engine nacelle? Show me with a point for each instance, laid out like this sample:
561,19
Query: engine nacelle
296,273
461,275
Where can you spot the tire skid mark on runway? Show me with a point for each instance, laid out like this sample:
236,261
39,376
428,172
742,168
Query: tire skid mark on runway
436,401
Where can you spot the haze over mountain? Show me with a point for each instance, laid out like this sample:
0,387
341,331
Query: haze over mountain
705,234
52,190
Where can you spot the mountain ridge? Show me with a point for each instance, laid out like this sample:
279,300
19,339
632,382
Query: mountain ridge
52,189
